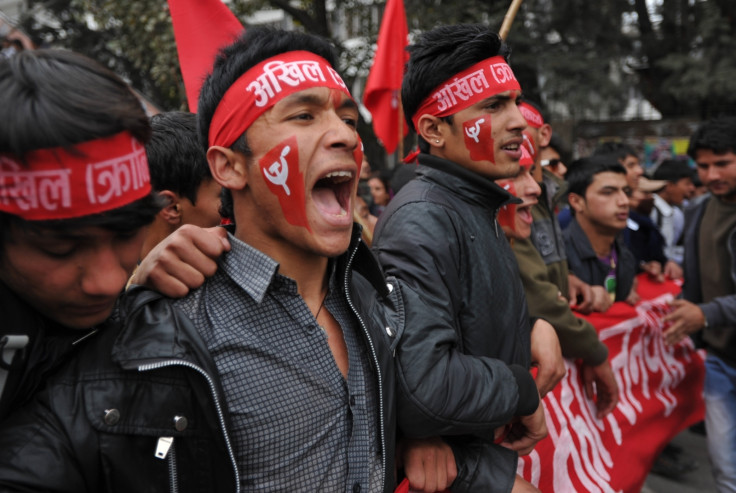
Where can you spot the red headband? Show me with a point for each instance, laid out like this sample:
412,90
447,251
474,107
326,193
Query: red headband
483,80
93,177
532,116
263,86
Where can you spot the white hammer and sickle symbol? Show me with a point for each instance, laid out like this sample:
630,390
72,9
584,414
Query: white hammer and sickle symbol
474,131
278,172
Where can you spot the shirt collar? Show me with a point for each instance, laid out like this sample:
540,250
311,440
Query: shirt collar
251,269
662,206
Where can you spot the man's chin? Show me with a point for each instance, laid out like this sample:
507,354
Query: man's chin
86,321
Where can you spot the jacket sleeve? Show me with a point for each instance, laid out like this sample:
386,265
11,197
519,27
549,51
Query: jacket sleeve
482,466
578,338
720,311
443,391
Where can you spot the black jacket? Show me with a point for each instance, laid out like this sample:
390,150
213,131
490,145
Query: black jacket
467,372
100,420
584,263
48,345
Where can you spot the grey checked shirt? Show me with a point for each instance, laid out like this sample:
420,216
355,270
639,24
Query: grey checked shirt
296,423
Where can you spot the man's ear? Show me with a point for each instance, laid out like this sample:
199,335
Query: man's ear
428,127
576,202
228,167
171,213
545,135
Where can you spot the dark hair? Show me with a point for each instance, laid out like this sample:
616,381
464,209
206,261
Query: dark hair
438,55
55,98
175,158
673,170
581,172
618,149
718,135
384,176
254,46
556,143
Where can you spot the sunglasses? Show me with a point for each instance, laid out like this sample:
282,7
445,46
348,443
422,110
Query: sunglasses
550,162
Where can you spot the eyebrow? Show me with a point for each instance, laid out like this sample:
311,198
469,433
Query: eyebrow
503,97
720,162
612,188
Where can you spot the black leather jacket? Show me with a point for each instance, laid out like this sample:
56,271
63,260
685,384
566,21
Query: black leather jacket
133,387
466,373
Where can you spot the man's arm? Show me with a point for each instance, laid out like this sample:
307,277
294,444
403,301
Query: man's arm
428,463
483,466
182,261
578,338
687,318
673,270
442,390
546,356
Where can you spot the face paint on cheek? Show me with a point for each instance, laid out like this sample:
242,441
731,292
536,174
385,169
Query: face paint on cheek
478,139
358,154
529,144
507,213
280,167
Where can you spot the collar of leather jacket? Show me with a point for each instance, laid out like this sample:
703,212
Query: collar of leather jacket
493,195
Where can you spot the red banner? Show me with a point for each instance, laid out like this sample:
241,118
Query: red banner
660,394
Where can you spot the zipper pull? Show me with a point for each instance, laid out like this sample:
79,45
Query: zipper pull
163,446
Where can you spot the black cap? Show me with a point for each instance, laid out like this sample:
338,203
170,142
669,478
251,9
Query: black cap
672,170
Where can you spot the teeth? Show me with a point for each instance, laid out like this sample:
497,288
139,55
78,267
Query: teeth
340,174
343,212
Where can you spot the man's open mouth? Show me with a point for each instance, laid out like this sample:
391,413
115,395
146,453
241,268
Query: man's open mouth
331,193
525,213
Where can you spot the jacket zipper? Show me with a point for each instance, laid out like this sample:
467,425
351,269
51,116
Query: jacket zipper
375,361
218,407
174,485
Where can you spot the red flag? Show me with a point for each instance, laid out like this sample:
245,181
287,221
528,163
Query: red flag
382,90
201,28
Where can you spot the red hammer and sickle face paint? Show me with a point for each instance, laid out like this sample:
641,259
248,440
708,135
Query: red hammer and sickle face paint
478,140
280,168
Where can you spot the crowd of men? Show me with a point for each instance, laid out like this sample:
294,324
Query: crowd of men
147,348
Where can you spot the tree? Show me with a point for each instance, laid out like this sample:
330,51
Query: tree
579,59
687,61
134,38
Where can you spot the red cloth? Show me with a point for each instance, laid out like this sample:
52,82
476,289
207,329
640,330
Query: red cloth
201,28
382,96
88,178
660,392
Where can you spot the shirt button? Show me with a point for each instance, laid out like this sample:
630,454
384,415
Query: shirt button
356,488
352,403
112,416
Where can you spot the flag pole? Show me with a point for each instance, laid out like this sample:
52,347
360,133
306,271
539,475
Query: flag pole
509,18
401,130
